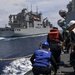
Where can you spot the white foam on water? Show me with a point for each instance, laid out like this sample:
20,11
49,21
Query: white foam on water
18,67
1,38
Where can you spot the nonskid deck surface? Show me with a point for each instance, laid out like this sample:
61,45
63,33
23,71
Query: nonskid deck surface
64,69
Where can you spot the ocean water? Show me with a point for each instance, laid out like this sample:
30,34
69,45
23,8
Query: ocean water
18,47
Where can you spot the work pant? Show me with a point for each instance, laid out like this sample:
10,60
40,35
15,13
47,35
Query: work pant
41,70
72,45
56,51
67,45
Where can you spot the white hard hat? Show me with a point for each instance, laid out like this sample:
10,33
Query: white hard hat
71,23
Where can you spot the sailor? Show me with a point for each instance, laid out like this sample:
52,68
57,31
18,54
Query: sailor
71,28
54,32
54,38
42,60
66,41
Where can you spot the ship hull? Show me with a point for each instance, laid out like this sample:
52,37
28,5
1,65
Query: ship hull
19,32
31,31
6,32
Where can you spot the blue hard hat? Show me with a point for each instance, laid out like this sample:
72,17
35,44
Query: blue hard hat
45,43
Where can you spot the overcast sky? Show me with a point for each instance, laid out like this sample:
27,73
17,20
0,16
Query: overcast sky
49,8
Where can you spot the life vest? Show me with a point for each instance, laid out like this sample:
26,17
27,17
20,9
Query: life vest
73,35
54,35
73,30
42,58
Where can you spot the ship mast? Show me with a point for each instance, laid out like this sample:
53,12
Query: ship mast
36,9
31,7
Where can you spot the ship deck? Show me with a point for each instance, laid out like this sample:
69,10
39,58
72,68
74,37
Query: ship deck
64,68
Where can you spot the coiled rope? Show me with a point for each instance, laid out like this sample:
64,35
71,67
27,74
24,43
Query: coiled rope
7,59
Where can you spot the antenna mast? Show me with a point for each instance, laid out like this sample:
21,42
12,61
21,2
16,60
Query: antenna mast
31,7
36,9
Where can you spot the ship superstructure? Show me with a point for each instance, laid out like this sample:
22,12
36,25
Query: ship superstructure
29,23
25,19
68,15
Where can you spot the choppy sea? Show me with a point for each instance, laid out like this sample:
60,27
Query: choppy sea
16,47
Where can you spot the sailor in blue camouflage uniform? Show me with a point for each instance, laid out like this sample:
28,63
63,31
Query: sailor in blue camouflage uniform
42,60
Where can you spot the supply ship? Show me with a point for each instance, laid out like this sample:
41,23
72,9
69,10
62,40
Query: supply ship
26,23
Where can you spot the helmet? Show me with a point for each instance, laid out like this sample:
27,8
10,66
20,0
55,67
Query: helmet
62,13
45,43
55,27
71,23
61,22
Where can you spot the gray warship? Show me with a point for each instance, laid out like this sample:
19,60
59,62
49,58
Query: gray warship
26,23
68,15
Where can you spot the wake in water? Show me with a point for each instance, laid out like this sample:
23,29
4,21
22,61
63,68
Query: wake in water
2,38
18,67
14,38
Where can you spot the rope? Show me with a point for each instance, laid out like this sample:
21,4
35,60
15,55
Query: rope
7,59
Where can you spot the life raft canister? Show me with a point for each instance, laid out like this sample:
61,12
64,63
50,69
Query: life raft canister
54,35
